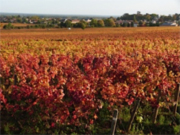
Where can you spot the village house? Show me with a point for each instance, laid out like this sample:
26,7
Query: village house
30,21
171,24
88,20
153,21
75,21
123,21
13,20
63,20
33,21
119,22
48,19
44,22
135,25
5,20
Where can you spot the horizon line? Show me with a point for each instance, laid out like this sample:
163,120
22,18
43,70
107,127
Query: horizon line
57,14
76,14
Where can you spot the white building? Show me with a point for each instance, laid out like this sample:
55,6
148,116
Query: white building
135,24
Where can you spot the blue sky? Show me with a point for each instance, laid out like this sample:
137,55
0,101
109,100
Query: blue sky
90,7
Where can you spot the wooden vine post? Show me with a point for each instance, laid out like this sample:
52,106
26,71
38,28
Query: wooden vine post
176,99
114,121
133,114
157,108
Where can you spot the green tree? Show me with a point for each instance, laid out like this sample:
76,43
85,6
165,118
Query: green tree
8,26
118,25
148,17
134,19
125,24
140,23
161,19
68,24
113,18
153,16
36,26
100,23
24,20
39,22
61,25
19,20
35,18
83,26
93,22
132,24
157,24
43,26
109,23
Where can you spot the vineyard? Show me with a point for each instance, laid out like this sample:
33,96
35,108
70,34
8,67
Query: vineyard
61,81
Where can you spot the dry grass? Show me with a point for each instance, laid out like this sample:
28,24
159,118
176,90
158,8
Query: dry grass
17,24
59,33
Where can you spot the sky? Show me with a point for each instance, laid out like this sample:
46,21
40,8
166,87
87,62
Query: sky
90,7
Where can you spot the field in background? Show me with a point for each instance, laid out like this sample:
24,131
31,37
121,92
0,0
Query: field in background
16,24
70,81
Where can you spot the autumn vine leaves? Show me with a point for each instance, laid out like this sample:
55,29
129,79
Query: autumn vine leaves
70,81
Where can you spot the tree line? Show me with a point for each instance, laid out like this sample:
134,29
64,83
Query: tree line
128,20
149,17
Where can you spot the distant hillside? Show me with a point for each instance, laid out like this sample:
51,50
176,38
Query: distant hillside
55,15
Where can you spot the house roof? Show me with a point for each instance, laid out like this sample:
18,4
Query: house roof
75,21
64,20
